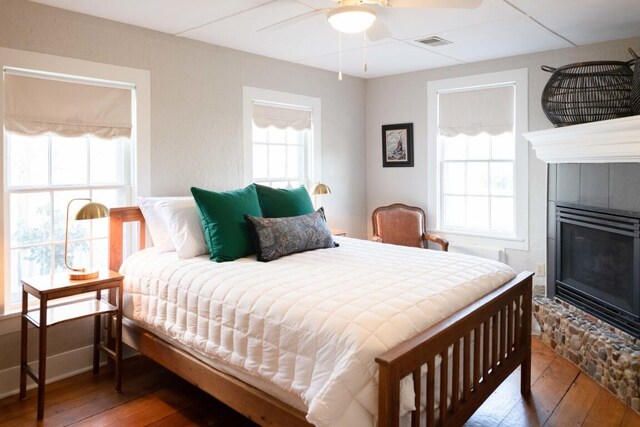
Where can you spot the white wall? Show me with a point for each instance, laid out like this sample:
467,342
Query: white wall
196,101
403,98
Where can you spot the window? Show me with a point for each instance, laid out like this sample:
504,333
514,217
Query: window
44,168
43,174
478,159
282,140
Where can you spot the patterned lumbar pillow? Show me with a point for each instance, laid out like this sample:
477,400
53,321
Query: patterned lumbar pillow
276,237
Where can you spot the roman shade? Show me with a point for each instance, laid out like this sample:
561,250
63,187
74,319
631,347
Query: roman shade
281,117
34,106
471,112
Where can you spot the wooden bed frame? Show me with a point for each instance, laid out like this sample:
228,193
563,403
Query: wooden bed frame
491,337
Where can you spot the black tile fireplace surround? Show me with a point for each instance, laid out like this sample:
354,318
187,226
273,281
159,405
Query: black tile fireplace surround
598,263
593,240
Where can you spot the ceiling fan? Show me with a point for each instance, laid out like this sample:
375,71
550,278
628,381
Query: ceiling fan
355,16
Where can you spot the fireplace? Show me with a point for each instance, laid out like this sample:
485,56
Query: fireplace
590,314
598,263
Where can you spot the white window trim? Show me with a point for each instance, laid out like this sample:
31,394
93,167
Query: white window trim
521,188
251,94
141,140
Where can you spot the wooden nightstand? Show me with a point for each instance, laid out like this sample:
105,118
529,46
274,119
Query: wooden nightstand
338,232
50,287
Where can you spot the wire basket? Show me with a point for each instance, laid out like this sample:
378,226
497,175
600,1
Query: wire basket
635,89
587,92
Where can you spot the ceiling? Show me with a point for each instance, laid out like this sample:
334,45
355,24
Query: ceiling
496,29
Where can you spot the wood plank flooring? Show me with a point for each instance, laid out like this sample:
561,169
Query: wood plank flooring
152,396
561,395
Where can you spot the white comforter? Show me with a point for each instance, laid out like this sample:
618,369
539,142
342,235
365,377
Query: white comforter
310,323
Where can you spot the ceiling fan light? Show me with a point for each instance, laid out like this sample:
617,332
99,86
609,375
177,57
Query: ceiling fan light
351,19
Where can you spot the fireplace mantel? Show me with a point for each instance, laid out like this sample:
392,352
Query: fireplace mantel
607,141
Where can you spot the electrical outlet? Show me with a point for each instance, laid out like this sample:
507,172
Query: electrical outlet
540,269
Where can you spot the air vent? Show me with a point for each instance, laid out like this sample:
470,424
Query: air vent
434,41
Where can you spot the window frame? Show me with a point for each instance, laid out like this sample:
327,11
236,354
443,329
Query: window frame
304,145
52,189
75,69
519,78
284,99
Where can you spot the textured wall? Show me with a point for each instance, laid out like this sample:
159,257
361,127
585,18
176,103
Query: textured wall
403,98
61,338
196,113
196,101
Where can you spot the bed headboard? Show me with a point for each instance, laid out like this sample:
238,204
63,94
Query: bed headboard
117,218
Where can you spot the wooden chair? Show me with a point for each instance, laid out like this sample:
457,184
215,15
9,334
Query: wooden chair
404,225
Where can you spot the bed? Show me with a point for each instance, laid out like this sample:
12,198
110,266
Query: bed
433,371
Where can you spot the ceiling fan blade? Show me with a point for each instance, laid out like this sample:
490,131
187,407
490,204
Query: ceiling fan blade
378,31
293,20
453,4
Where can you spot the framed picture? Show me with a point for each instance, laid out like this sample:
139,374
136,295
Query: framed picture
397,145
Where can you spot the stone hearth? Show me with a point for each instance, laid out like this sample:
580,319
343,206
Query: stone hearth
609,356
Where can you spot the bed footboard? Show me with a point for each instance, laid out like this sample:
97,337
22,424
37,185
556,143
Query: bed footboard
491,337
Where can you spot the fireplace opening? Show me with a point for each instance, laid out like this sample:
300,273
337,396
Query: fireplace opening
598,264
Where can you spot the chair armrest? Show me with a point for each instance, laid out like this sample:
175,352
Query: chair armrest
444,243
376,239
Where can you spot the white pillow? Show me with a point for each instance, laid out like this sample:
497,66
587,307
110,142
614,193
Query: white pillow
185,227
155,221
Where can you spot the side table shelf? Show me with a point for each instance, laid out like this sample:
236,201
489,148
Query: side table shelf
51,287
73,311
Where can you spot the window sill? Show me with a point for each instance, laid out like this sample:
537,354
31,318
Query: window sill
468,239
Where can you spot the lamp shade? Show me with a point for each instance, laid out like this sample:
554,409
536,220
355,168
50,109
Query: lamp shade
351,18
92,210
320,189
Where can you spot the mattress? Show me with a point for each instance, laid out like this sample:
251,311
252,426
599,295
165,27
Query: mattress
308,325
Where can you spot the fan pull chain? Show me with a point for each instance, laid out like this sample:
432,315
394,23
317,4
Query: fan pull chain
365,67
339,56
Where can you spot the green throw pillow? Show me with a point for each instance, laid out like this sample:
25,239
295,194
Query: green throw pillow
284,202
225,229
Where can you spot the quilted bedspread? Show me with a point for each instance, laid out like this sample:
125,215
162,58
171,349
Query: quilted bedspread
310,323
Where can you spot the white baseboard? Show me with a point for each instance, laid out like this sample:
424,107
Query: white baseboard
59,366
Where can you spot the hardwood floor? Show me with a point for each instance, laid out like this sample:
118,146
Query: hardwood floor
561,396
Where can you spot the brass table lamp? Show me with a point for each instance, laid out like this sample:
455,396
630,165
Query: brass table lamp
318,190
91,210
